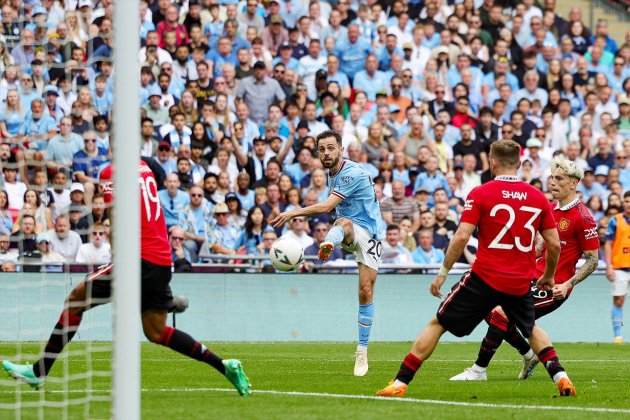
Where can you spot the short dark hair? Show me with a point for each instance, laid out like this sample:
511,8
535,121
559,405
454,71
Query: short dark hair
392,227
327,134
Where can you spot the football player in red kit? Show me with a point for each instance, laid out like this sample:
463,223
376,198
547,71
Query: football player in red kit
156,296
508,214
578,237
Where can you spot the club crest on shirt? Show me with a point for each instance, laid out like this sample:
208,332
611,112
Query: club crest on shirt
346,179
563,224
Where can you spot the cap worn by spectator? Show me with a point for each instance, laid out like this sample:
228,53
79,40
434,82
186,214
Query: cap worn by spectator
51,90
43,237
533,143
407,46
38,10
321,74
601,170
196,144
422,189
221,208
286,46
76,186
624,100
164,145
393,108
458,165
85,3
259,65
155,91
302,124
260,140
588,169
276,19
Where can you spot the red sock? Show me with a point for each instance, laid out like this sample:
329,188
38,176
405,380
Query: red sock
408,368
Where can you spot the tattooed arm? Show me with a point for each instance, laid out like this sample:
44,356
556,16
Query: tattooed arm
591,259
590,264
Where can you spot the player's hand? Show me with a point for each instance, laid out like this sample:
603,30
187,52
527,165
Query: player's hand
610,274
545,283
436,285
281,219
560,290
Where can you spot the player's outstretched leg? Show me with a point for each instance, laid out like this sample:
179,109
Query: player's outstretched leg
617,318
541,344
156,330
421,350
61,335
367,278
341,232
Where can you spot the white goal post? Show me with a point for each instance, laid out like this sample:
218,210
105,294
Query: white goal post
126,221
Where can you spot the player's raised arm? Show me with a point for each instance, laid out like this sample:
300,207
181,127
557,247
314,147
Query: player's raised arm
453,253
552,246
319,208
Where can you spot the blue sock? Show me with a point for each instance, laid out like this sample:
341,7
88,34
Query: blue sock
617,319
335,235
366,315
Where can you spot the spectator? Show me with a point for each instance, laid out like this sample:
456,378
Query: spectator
431,178
223,235
426,253
258,92
62,148
173,200
393,250
97,251
297,232
193,222
25,238
87,163
180,256
15,189
63,240
7,255
53,261
397,207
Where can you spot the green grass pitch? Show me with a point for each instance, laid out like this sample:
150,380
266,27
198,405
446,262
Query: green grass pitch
314,381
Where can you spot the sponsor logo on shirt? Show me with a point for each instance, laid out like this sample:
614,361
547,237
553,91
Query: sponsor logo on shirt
590,233
468,205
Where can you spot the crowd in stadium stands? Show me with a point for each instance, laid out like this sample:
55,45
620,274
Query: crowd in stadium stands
233,94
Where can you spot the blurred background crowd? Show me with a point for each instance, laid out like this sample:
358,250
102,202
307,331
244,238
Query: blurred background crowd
233,94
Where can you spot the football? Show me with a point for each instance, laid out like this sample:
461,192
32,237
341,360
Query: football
286,255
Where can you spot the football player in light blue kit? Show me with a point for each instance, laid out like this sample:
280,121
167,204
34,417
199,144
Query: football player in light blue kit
359,228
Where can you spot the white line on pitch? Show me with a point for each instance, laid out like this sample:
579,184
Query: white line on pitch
315,359
363,397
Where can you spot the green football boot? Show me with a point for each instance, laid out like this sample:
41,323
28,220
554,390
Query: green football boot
23,373
235,374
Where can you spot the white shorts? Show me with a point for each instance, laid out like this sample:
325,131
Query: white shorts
620,284
366,250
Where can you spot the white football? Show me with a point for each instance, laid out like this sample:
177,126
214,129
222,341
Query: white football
286,254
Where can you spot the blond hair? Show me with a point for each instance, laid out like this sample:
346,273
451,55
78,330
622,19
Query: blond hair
568,167
507,152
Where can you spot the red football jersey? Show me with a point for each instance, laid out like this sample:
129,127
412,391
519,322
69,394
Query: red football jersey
578,233
507,213
154,245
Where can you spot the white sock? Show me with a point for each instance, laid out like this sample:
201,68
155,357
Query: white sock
478,368
362,348
399,383
559,376
530,353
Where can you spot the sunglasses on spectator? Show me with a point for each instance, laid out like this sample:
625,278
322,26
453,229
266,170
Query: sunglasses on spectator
298,219
269,238
89,140
506,131
438,92
196,195
177,238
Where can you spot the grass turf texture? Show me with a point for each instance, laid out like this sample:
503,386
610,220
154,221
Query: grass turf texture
176,387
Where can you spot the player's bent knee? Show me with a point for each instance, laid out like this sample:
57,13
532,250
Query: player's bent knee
153,333
76,301
619,300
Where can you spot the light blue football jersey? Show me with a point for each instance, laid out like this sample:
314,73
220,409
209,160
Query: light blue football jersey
354,186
